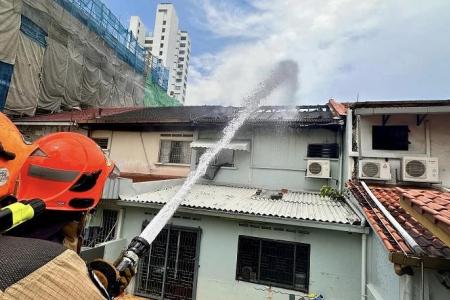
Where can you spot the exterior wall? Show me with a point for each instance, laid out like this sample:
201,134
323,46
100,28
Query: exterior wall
138,29
165,12
138,152
33,132
382,282
439,130
277,159
178,84
335,262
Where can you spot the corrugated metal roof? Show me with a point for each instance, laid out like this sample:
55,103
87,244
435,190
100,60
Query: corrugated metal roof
235,145
237,200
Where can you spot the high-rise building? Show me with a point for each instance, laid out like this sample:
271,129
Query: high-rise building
172,48
138,29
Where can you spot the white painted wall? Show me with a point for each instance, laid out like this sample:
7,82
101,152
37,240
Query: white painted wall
439,128
277,158
384,284
335,262
138,29
138,152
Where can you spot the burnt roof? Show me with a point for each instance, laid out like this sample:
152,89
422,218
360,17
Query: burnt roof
319,115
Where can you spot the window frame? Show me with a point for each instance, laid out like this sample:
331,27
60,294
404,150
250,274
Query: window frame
171,138
276,284
384,145
201,151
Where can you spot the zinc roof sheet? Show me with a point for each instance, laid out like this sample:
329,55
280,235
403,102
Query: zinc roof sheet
238,200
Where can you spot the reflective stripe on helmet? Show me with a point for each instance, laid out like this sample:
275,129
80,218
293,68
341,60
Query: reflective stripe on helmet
52,174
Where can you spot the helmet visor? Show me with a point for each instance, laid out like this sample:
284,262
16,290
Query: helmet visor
52,174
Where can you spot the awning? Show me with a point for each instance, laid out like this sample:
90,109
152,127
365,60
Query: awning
235,145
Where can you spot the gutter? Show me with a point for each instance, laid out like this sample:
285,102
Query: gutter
405,235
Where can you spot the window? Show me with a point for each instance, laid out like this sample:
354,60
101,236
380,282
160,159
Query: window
175,152
275,263
150,41
102,142
180,67
160,53
183,38
162,38
390,137
178,80
101,227
183,45
169,269
224,159
164,22
161,45
181,59
163,30
179,73
182,52
323,150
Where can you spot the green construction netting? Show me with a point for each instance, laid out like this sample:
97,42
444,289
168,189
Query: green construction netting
154,95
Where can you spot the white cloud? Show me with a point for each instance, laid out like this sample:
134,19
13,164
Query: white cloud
379,49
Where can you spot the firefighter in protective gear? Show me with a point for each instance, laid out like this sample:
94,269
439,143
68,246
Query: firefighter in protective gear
13,153
67,171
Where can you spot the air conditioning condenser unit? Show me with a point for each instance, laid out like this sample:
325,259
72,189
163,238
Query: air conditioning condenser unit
318,168
420,169
374,169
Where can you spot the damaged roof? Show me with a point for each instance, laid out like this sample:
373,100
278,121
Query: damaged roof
75,115
196,115
389,197
245,201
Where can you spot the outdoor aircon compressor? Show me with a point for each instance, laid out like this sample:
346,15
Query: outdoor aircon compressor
420,169
318,168
374,169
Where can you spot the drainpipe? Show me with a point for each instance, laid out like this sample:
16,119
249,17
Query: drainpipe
427,138
358,125
341,160
409,240
363,266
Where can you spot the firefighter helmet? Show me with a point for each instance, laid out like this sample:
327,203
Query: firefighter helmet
67,170
13,153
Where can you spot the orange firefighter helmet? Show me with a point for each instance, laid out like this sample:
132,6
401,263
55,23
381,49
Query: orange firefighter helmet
13,153
67,170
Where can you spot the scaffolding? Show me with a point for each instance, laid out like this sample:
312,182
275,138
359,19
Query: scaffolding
97,17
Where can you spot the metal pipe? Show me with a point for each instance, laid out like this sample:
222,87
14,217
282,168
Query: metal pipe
341,159
363,266
358,125
409,240
427,138
422,284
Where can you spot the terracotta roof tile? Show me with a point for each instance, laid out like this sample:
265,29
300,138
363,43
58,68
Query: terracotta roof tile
420,200
432,204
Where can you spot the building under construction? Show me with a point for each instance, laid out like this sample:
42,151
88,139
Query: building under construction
68,54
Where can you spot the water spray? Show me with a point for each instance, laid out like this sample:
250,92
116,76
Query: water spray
284,72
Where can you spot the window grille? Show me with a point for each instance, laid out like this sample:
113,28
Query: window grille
168,271
275,263
177,152
323,150
103,232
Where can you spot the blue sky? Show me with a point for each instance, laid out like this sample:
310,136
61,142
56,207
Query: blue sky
379,50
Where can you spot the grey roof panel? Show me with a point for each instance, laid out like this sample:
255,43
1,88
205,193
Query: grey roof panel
294,205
